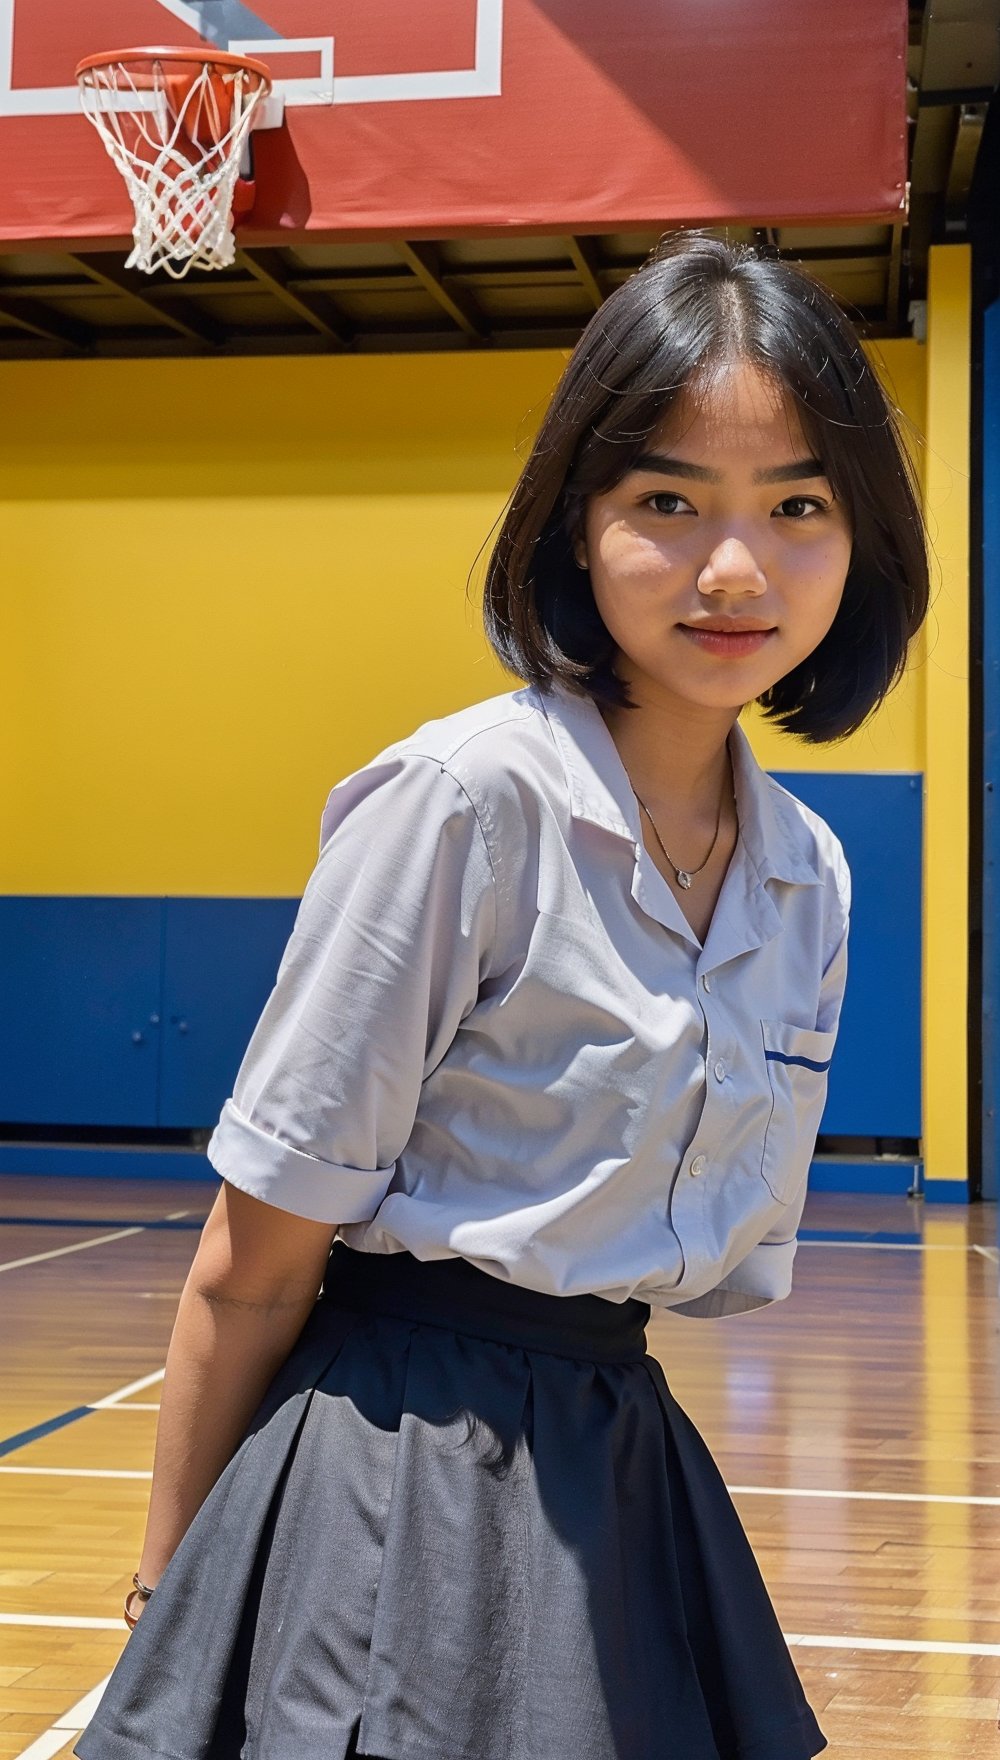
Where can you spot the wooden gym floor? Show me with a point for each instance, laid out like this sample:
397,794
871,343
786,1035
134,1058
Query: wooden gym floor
855,1425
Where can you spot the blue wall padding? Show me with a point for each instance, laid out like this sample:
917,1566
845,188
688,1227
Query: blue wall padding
79,977
221,958
137,1011
875,1079
131,1011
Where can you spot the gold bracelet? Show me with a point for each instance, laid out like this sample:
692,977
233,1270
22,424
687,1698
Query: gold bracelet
144,1592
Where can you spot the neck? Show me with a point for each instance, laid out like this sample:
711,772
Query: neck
674,758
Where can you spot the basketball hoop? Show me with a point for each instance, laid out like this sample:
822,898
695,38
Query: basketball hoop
176,123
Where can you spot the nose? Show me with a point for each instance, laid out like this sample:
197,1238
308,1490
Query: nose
733,565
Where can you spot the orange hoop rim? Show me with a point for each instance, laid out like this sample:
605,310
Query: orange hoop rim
215,57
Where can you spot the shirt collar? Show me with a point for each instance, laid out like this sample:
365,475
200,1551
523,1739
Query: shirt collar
600,790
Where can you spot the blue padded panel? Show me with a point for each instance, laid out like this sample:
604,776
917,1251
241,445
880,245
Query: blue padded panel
80,977
875,1080
222,957
79,990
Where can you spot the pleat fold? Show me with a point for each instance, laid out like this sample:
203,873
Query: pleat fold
432,1543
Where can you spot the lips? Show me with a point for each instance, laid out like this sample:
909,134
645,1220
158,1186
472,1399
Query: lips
732,644
731,628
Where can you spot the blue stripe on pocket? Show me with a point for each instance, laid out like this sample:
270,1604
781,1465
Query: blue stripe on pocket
806,1062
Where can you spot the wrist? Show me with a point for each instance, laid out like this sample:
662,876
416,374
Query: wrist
140,1592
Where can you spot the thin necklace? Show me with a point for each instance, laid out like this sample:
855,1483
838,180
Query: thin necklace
686,875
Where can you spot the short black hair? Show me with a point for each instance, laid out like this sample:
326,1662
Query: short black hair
696,300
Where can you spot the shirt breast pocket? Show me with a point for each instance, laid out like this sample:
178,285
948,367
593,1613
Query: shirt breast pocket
797,1060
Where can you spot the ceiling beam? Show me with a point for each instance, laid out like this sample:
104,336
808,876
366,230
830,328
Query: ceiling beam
395,281
111,275
52,326
50,287
849,257
587,265
968,135
268,269
424,261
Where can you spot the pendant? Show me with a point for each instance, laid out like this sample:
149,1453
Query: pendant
682,878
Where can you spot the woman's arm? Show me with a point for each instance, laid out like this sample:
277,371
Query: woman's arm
251,1287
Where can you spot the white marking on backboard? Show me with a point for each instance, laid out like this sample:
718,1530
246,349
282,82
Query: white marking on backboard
481,81
294,91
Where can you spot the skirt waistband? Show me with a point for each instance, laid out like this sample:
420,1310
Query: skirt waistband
457,1294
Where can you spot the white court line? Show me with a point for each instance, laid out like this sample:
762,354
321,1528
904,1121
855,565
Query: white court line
115,1405
113,1401
811,1640
76,1719
861,1496
742,1490
987,1252
898,1646
69,1724
73,1721
68,1621
120,1393
897,1246
96,1240
48,1743
80,1472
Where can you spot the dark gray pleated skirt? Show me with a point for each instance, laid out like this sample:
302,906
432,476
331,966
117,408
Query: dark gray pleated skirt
469,1521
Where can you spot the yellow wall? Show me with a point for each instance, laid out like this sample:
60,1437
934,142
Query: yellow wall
946,696
230,582
227,584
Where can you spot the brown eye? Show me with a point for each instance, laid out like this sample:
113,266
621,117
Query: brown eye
799,502
665,495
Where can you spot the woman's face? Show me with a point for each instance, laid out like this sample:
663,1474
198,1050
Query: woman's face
724,516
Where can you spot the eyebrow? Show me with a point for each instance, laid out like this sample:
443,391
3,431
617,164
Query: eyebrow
794,471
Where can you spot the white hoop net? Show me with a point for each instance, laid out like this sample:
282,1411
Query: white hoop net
177,132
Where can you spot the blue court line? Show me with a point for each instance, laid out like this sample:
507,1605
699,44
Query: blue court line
98,1222
885,1239
8,1445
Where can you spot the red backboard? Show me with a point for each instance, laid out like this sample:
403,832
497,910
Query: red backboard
439,117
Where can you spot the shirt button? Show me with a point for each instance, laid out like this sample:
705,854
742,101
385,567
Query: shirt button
720,1069
698,1164
705,982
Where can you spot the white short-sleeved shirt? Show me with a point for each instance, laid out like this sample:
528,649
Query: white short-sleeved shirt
493,1032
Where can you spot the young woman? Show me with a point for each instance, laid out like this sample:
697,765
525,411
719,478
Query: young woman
547,1049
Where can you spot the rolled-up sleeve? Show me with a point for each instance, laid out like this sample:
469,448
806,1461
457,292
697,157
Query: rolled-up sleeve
763,1277
392,939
